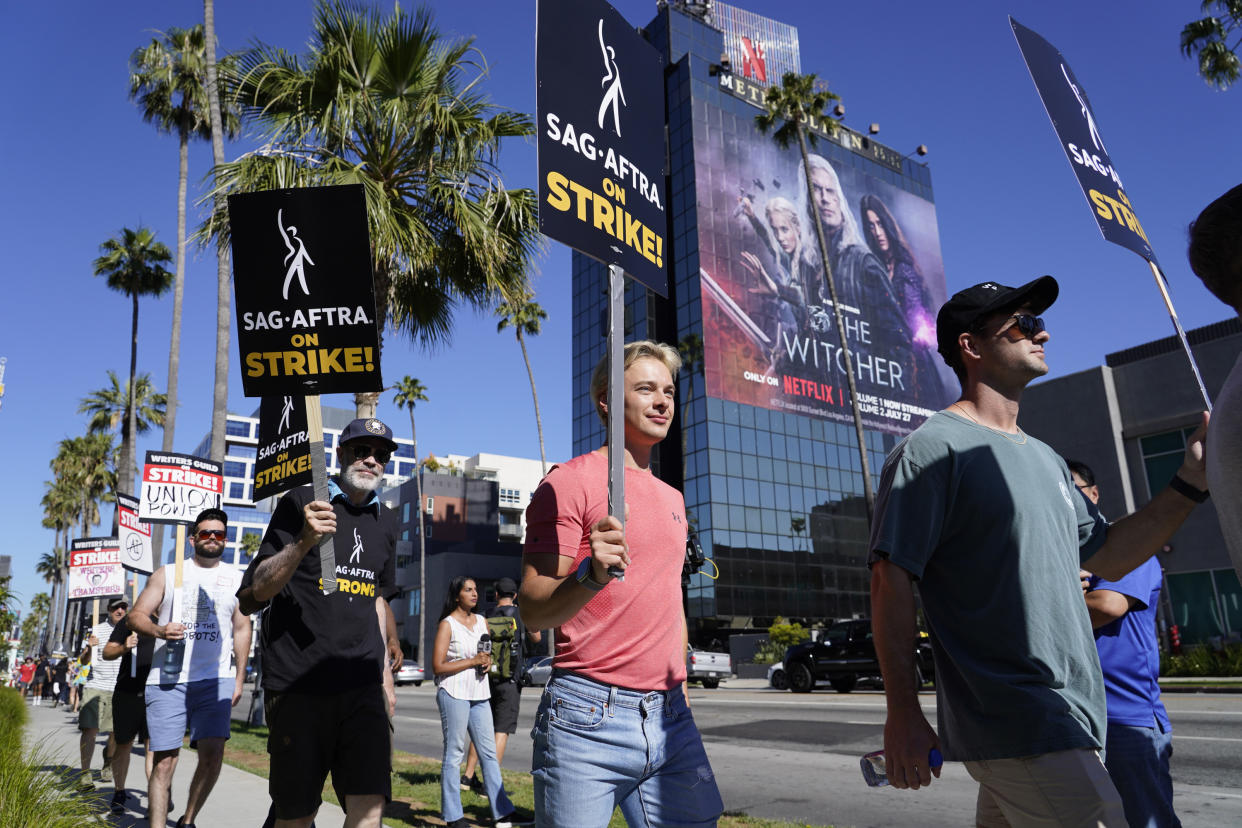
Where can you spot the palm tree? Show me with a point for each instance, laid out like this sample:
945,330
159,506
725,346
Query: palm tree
48,568
1207,39
690,347
798,100
108,407
85,465
40,605
524,315
250,543
220,392
409,392
60,511
168,80
387,103
134,265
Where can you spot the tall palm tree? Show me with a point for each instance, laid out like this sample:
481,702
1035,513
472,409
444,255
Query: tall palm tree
40,605
386,102
220,390
168,80
133,264
48,568
109,407
1207,40
60,512
86,465
410,392
798,100
525,315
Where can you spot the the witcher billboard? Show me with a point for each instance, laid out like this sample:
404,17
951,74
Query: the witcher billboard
768,329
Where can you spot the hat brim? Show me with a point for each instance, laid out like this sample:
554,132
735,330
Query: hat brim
1039,294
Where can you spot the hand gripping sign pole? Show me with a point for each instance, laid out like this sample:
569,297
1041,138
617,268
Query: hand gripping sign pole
1073,120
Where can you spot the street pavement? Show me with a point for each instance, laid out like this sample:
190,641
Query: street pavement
786,756
239,799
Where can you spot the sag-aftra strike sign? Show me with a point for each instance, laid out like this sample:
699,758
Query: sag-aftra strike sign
283,459
303,283
1073,119
176,487
601,138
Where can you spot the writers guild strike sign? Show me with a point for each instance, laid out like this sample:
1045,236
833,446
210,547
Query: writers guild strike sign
95,568
1072,118
176,487
284,458
601,138
134,536
305,298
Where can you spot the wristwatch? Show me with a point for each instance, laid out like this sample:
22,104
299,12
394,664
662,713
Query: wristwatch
584,576
1186,490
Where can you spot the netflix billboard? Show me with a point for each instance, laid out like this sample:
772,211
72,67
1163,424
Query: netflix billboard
769,336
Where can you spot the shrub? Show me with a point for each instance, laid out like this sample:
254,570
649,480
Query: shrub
783,634
1199,661
30,795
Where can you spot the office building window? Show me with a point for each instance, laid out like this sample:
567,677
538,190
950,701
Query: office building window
237,491
1162,456
237,428
233,468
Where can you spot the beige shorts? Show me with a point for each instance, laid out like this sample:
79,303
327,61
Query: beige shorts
96,710
1067,788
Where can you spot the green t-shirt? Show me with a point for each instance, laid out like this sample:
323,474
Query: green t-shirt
994,531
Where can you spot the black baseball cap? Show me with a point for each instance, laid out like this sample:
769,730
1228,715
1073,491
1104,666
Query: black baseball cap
117,602
506,586
966,307
370,428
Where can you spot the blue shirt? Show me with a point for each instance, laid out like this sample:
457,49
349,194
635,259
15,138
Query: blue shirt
1129,655
335,491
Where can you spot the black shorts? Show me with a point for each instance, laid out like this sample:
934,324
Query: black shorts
505,700
309,736
129,717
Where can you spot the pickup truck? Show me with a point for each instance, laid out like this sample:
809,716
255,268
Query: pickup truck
708,668
844,654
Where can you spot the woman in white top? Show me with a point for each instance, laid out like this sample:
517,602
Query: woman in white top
462,696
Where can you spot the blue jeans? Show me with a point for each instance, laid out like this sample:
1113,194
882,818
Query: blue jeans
598,747
457,717
1137,759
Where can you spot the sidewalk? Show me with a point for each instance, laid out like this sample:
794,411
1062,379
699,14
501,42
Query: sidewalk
239,799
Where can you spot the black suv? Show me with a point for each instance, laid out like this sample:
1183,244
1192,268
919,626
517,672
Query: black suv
844,654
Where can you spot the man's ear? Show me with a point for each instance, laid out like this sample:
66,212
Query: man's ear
966,342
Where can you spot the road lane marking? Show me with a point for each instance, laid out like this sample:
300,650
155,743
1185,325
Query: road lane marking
1206,738
401,718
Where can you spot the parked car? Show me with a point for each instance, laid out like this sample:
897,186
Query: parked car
844,654
538,671
777,678
708,668
411,672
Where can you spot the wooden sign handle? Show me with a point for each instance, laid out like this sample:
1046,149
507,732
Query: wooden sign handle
179,559
319,480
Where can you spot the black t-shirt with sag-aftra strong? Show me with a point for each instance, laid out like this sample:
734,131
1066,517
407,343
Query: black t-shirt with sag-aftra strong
316,643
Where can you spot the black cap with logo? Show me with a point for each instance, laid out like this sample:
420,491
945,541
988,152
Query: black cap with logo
966,307
370,428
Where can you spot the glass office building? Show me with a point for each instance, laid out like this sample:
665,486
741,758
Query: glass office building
764,445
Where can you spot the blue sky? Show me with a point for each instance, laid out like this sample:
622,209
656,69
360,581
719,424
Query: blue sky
83,164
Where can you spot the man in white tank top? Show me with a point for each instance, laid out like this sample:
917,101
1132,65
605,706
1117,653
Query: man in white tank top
193,681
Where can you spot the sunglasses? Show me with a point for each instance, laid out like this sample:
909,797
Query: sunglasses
363,451
1030,326
208,534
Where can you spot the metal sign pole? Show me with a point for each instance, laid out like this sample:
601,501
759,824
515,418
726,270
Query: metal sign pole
616,400
319,480
1181,334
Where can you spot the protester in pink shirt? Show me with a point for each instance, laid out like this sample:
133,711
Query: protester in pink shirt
614,727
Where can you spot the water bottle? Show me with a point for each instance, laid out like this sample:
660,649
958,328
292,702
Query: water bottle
873,770
174,656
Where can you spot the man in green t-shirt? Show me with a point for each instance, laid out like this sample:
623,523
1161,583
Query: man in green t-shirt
988,521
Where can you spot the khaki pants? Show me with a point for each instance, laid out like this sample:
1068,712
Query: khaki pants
1069,788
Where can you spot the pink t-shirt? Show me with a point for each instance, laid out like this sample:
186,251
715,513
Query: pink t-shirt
630,633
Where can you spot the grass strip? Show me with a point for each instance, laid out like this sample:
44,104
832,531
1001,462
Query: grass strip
416,787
